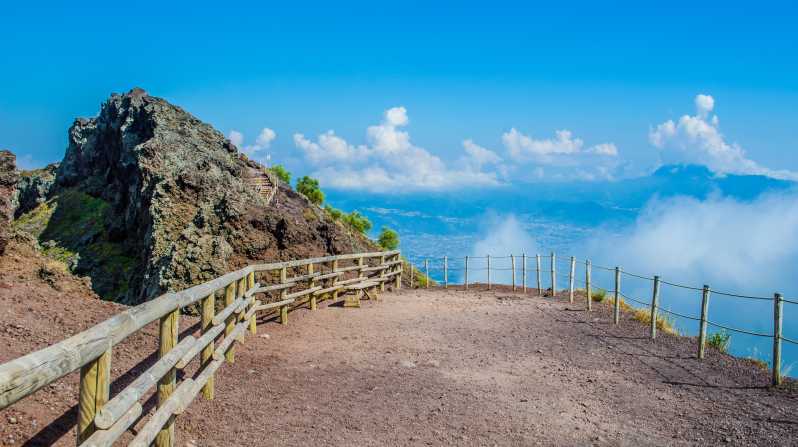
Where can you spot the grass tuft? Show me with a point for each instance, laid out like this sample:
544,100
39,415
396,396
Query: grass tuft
720,341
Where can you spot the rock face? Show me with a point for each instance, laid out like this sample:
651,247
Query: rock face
34,188
8,182
148,199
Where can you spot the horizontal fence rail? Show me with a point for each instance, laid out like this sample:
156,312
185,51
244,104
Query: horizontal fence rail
553,266
103,419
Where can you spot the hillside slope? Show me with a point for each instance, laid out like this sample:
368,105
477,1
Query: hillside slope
148,199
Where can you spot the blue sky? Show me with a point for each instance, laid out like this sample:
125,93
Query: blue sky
607,73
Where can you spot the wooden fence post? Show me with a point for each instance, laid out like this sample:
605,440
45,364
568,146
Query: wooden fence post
426,272
412,274
229,297
654,307
465,281
523,271
702,335
208,312
445,272
283,293
94,392
537,268
314,303
488,272
616,317
334,268
512,265
553,275
588,293
399,268
253,323
169,328
382,274
777,320
571,281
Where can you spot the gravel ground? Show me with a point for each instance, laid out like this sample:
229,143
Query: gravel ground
443,367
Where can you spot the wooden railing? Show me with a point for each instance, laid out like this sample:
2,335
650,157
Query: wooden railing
102,419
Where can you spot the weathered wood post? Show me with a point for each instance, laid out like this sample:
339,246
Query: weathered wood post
382,273
616,317
399,268
537,269
283,293
702,335
334,268
654,307
465,280
523,271
253,324
208,312
169,329
488,272
553,275
94,392
426,272
314,304
588,292
571,280
229,297
512,266
412,274
777,320
445,272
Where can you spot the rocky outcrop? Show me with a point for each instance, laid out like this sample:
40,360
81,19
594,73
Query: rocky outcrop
148,199
8,182
34,188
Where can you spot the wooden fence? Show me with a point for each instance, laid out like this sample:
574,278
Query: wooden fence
102,419
653,306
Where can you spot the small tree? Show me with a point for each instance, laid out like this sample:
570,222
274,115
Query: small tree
388,239
358,222
309,187
282,174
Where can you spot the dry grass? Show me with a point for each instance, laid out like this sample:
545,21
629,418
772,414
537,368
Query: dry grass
665,323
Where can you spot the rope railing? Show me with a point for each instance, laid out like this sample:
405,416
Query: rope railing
102,419
530,271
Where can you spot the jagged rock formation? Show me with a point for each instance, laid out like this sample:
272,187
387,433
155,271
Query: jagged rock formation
34,188
148,198
8,182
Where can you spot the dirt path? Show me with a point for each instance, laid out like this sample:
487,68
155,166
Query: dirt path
487,368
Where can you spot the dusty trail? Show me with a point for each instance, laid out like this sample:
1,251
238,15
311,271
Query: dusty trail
483,368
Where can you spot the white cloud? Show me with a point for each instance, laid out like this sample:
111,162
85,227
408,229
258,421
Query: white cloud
522,146
698,140
608,149
256,151
502,235
479,155
388,162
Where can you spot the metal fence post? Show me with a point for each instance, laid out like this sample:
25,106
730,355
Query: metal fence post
702,336
654,307
777,320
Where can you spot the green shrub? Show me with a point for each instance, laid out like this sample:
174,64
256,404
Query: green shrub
282,174
388,239
719,340
335,213
598,295
309,187
357,221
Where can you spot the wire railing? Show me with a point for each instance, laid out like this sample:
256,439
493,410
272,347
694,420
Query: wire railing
546,270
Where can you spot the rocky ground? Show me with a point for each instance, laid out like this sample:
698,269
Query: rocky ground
450,367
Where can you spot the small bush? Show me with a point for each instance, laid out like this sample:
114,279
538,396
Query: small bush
357,221
309,187
334,213
282,174
598,295
719,340
388,239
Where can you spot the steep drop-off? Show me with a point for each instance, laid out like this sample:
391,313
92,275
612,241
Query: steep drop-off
148,199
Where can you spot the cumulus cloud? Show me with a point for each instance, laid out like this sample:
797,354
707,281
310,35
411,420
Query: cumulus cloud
697,139
389,161
257,150
479,155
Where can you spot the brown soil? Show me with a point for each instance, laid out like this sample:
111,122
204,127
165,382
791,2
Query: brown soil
444,367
